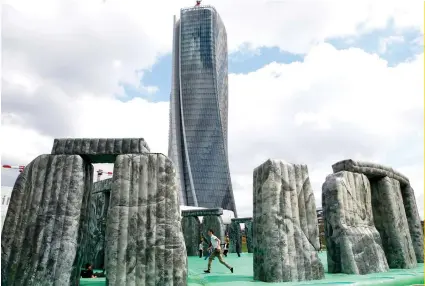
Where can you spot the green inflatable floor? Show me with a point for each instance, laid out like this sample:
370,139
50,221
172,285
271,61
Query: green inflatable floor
243,275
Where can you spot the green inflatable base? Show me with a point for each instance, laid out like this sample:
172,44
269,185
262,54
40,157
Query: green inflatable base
243,275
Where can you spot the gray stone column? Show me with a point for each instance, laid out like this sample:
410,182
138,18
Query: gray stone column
235,237
98,210
192,236
414,221
145,243
248,231
352,241
285,234
391,222
44,234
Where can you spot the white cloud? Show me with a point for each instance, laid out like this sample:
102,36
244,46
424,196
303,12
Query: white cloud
335,105
63,62
97,32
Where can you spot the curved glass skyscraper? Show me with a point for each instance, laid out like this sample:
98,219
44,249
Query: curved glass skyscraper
199,109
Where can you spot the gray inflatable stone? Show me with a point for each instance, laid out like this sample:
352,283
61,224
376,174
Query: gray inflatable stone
285,227
391,222
235,236
99,150
375,172
352,241
44,235
203,212
414,221
371,170
97,227
99,204
145,243
191,227
102,186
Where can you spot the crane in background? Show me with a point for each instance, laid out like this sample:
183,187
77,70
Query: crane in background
100,172
20,168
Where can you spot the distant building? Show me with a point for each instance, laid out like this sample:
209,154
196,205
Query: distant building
199,109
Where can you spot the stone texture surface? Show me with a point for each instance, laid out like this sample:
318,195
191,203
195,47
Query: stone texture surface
236,234
191,227
102,186
98,211
414,221
44,235
99,203
235,237
391,222
204,212
371,170
285,227
352,241
99,150
145,243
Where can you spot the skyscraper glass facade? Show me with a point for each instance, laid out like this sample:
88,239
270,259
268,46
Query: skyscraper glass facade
199,109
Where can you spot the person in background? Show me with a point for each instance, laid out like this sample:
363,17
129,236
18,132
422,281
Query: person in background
238,247
216,251
226,246
200,249
88,272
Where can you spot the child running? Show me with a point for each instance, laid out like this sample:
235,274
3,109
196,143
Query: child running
216,251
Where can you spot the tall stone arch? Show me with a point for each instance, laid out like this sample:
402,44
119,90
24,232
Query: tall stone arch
46,237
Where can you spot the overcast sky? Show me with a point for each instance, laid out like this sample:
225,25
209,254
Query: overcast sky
310,82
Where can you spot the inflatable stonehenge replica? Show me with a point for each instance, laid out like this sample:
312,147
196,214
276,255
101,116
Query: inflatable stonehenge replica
371,221
54,223
58,219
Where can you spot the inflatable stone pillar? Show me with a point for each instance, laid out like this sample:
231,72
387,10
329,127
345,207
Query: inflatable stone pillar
145,243
235,236
285,230
191,227
414,221
97,222
353,243
44,234
391,222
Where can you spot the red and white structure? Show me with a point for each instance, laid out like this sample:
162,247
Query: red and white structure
20,168
100,172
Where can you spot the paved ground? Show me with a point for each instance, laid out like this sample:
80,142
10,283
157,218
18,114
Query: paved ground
243,271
